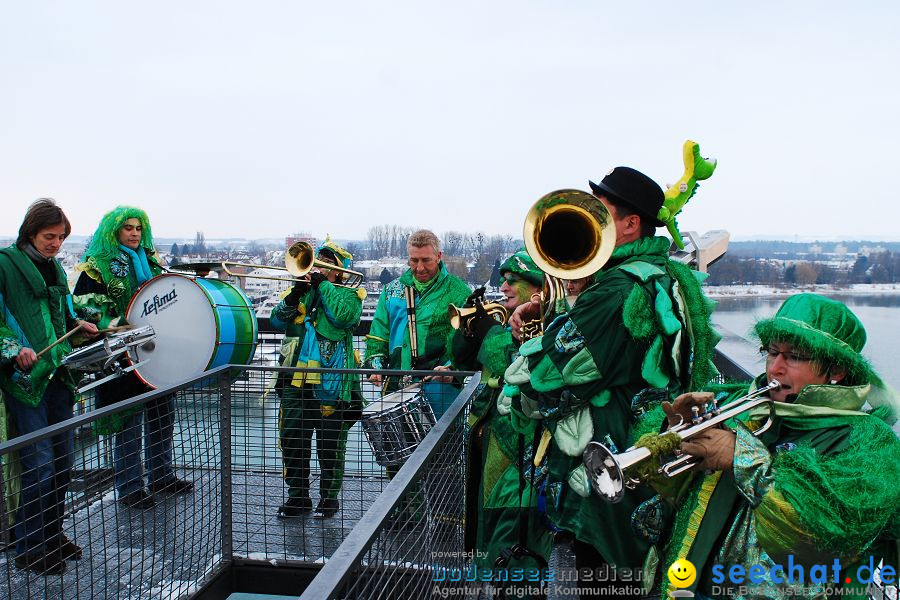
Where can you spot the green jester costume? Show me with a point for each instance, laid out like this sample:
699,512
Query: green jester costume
643,324
318,322
500,506
819,485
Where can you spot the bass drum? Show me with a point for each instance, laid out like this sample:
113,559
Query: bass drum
200,324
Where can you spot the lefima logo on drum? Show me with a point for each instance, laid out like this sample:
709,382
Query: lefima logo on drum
156,304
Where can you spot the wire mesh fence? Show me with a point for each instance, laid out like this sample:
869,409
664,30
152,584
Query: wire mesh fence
70,534
155,496
413,536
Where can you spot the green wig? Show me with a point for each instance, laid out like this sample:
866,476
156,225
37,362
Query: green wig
104,244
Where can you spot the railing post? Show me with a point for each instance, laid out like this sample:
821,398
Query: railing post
225,464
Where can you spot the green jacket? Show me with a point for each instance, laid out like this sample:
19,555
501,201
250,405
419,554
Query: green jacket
32,315
636,327
387,345
820,484
105,288
334,313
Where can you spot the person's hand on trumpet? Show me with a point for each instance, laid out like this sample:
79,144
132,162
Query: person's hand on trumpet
679,411
715,446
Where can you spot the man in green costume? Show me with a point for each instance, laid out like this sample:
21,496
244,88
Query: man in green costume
501,520
643,323
425,290
820,484
35,312
318,319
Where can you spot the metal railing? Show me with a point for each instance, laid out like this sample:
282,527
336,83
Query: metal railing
226,530
416,527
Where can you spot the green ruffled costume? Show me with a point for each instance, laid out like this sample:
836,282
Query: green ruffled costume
32,315
638,326
495,495
820,484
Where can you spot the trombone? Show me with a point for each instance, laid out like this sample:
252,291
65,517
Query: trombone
298,262
610,474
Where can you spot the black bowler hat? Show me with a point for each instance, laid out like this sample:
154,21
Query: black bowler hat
624,185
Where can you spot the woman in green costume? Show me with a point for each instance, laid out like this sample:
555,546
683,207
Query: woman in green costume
500,509
819,485
121,256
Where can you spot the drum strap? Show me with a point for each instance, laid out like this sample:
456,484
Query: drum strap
411,323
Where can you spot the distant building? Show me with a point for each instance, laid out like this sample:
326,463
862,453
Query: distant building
300,237
869,250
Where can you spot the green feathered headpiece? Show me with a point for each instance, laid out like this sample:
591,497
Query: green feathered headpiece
522,265
825,329
104,244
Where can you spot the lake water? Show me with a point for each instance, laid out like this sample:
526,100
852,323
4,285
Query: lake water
879,313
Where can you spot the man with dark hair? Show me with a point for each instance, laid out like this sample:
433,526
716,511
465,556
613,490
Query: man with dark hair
35,314
644,324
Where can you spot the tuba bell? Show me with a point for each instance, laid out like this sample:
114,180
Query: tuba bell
569,234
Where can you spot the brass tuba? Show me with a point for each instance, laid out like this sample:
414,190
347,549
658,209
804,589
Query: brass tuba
569,234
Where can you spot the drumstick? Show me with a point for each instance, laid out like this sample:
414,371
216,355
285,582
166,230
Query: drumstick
115,329
66,336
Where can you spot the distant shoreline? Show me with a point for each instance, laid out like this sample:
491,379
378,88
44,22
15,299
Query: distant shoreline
767,291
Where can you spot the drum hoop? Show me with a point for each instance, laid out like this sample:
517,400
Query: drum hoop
212,304
407,394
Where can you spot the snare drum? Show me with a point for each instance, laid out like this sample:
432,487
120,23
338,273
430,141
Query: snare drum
200,324
101,354
396,423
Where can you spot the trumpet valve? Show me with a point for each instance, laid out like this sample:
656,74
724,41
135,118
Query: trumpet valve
695,415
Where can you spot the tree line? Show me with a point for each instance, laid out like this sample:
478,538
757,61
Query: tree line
881,267
460,249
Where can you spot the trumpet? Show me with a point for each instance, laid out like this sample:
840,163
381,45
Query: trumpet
610,474
298,262
460,317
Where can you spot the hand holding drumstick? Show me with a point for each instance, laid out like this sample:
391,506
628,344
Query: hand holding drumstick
27,357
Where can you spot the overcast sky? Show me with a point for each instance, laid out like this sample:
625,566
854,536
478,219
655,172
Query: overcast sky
255,119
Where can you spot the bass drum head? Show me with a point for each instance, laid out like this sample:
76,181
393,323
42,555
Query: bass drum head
186,330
